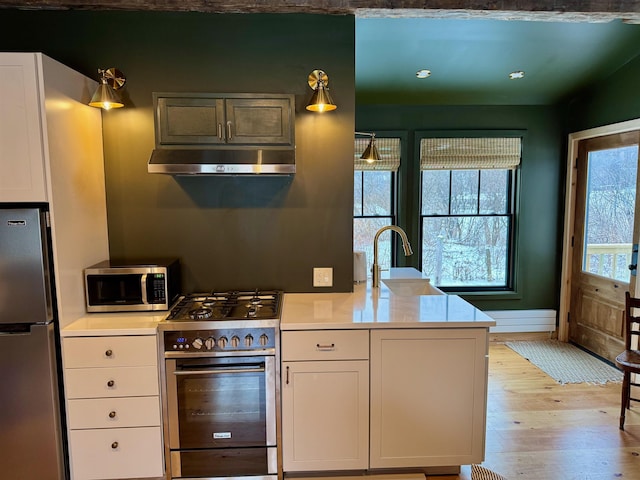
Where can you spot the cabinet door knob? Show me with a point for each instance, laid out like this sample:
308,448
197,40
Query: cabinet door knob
108,353
112,414
111,383
114,445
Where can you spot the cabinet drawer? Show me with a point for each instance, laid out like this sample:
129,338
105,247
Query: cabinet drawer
114,412
127,351
325,345
111,382
116,453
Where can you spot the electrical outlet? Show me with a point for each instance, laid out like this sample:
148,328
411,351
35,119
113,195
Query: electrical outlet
322,277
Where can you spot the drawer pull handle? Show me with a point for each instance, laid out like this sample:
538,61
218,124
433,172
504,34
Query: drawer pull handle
114,445
111,383
108,353
326,347
112,414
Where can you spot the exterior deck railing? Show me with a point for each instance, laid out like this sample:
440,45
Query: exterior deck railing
609,260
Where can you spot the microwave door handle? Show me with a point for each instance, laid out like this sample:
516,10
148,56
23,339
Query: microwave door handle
143,287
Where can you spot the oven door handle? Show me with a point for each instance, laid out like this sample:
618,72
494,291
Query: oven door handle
215,372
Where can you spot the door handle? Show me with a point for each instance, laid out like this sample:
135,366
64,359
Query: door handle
634,259
217,372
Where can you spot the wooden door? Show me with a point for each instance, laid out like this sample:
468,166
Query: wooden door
605,230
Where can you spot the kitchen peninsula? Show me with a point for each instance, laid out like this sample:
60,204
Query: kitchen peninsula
374,380
380,379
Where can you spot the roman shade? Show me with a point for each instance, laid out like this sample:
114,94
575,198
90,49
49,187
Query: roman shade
389,149
470,153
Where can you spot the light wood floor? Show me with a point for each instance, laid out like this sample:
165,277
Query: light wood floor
538,429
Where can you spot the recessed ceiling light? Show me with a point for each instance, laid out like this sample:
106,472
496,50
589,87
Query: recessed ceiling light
516,75
424,73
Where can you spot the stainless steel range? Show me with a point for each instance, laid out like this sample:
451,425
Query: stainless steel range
220,387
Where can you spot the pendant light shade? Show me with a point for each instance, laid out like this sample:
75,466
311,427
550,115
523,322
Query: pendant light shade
321,100
370,154
106,95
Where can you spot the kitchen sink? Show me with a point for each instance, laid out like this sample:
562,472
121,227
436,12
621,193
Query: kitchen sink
408,287
408,281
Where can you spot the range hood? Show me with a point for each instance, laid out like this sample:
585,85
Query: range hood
222,162
224,134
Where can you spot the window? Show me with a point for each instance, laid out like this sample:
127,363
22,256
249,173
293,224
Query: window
374,198
609,207
467,211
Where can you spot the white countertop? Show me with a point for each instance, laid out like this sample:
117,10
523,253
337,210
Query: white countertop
365,308
126,323
370,308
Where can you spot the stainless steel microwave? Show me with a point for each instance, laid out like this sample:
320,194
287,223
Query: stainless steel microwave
132,286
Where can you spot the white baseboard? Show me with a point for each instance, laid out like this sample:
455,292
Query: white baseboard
510,321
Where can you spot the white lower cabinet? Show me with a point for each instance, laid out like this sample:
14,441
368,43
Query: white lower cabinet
428,397
113,407
116,453
325,400
383,399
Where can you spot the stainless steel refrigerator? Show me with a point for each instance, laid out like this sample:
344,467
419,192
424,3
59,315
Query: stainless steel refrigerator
31,442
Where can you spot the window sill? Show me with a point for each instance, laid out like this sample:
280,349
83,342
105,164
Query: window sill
488,295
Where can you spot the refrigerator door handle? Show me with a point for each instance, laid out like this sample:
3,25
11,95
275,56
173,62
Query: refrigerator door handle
45,220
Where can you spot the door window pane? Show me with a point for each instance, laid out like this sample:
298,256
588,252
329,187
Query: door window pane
609,212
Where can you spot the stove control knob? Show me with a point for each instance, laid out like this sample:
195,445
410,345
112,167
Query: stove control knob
222,342
210,343
248,340
197,343
263,340
235,341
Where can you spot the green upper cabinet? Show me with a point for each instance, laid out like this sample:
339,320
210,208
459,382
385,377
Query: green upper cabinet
217,120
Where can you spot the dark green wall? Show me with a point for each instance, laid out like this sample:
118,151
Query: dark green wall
541,199
229,232
245,232
612,100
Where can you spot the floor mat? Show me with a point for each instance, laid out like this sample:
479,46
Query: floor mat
481,473
566,363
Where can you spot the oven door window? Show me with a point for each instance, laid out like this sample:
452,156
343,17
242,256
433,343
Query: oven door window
220,403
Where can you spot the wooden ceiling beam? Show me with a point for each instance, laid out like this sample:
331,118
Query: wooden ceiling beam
558,10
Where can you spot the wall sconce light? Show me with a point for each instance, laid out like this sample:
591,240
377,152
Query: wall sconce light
370,153
106,95
320,100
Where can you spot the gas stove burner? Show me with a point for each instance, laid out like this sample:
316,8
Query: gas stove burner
233,305
200,313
